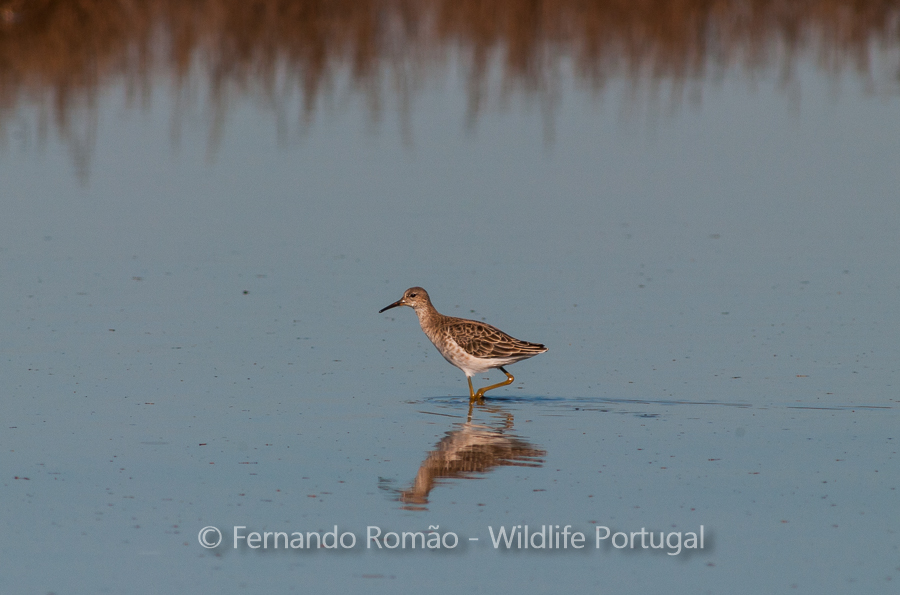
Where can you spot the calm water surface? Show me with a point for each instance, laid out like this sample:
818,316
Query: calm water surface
201,221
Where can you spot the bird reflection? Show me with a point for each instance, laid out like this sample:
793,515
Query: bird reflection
469,450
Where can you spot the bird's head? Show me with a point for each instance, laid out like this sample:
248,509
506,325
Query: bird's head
414,297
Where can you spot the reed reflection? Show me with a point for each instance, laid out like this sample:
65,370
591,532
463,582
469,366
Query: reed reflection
469,451
288,54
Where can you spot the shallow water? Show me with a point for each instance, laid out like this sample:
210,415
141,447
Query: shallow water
190,336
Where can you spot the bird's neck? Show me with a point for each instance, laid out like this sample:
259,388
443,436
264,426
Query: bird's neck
428,318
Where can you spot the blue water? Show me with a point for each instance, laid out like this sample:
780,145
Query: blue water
190,338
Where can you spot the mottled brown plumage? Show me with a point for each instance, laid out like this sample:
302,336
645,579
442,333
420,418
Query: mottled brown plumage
485,341
472,346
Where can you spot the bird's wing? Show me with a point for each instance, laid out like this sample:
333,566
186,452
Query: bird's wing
483,340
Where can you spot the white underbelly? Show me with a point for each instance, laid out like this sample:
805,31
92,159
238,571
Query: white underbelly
468,363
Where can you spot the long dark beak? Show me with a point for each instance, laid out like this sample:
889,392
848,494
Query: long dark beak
394,305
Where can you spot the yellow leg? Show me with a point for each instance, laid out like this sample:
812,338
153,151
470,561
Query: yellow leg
481,391
471,390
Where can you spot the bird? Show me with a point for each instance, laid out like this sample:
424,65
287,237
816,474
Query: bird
472,346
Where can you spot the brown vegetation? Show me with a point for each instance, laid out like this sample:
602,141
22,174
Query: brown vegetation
60,53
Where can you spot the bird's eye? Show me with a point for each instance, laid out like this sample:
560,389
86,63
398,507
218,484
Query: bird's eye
412,295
